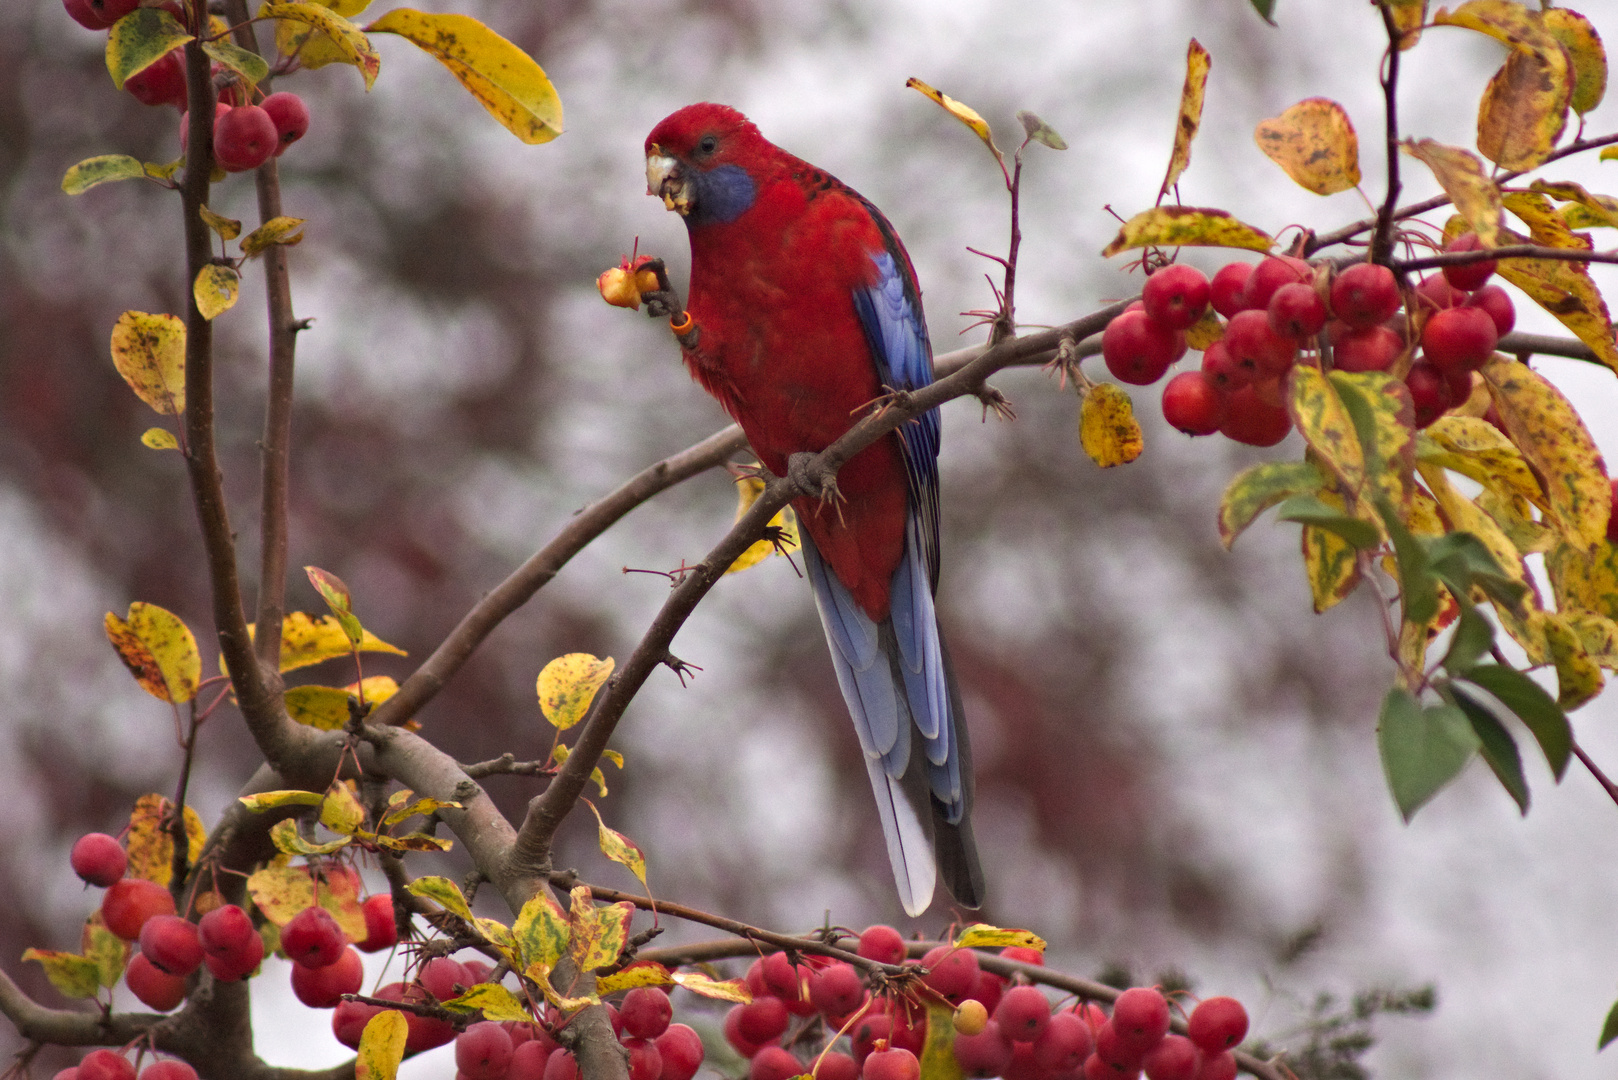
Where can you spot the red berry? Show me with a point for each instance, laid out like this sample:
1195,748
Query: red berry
1023,1013
645,1013
909,1027
1023,955
1365,294
1296,311
1141,1018
1138,350
422,1032
1257,349
1252,420
985,1054
1497,302
1217,1023
233,966
1175,1058
561,1065
324,987
1064,1044
290,116
381,932
1220,369
1459,338
1112,1049
168,1069
440,975
1612,521
1434,293
883,944
774,1063
891,1065
836,990
834,1066
98,858
99,14
681,1050
781,978
1269,275
762,1020
106,1065
733,1032
483,1051
1218,1067
987,990
154,987
1228,288
952,972
244,138
348,1021
225,930
1429,392
170,942
1175,296
313,938
1468,276
528,1061
160,83
1096,1069
1192,405
1374,348
129,902
873,1028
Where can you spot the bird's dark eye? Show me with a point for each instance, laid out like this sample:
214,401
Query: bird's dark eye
708,145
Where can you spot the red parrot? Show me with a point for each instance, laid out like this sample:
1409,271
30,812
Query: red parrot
804,310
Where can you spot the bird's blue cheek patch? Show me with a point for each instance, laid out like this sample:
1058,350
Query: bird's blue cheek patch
723,195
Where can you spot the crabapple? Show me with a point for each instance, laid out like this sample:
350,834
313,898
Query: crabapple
129,902
224,930
239,964
1468,276
1192,404
154,987
348,1021
891,1065
381,932
883,944
528,1061
98,858
1228,287
168,1069
1256,348
1435,293
1497,302
1216,1024
483,1051
836,990
1175,296
290,116
1373,348
1269,275
99,14
1064,1044
1138,350
1140,1016
170,942
681,1049
762,1020
561,1065
952,971
1365,294
645,1063
106,1065
834,1066
1296,311
985,1054
1220,369
774,1063
1460,338
312,938
1023,1014
1252,420
1220,1066
324,987
1175,1058
645,1012
244,138
162,82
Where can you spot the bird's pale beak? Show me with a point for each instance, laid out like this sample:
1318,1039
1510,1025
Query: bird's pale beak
666,178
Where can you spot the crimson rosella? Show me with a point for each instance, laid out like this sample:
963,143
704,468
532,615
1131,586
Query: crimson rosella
804,310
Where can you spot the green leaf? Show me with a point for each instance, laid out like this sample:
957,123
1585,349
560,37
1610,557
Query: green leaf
1039,131
1310,510
1498,748
140,39
1533,706
249,65
1474,635
1609,1027
101,170
1418,590
1462,561
1260,487
444,892
73,975
1422,749
542,931
1265,9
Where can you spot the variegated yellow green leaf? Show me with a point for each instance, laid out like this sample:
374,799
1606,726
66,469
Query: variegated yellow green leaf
541,931
73,976
1259,487
494,1001
1578,676
159,650
985,936
1578,36
151,843
726,990
1314,143
443,892
1197,63
1186,226
962,112
346,39
567,686
139,40
149,352
1460,174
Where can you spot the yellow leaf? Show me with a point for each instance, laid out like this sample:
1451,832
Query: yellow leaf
1586,52
494,1001
1259,487
151,844
281,891
1197,63
698,983
159,439
73,976
349,42
249,65
1108,430
306,640
149,352
1323,420
1186,226
1409,16
215,290
748,489
600,934
1464,515
286,231
541,975
322,707
139,40
644,974
1597,634
108,951
337,597
1578,676
505,80
619,848
1384,420
1477,449
962,112
541,931
1315,144
1562,288
938,1061
984,936
1330,563
159,650
1589,211
227,228
101,170
1584,581
568,685
1460,174
382,1046
1553,439
443,892
285,836
341,811
1205,331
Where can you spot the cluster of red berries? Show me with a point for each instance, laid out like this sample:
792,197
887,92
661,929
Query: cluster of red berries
1002,1029
1351,319
245,135
111,1065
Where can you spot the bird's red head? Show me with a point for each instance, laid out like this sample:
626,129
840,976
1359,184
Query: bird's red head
699,161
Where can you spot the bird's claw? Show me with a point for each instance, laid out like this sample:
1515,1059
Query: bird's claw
813,478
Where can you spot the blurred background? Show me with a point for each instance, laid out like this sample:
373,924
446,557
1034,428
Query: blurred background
1176,758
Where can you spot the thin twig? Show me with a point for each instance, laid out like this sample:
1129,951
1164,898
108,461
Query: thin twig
1382,241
